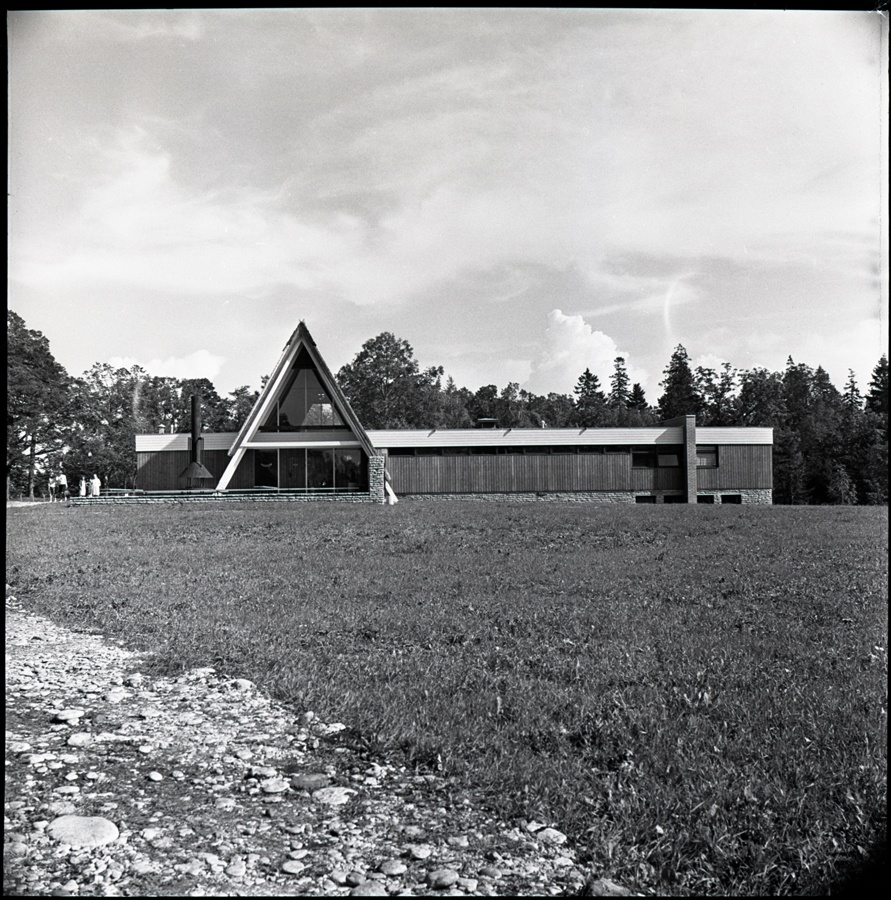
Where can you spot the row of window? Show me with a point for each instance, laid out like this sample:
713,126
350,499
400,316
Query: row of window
641,457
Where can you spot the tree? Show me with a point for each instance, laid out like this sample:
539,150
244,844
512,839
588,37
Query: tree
239,405
385,387
638,399
761,400
852,397
37,404
680,397
590,404
619,395
877,398
716,392
553,411
103,441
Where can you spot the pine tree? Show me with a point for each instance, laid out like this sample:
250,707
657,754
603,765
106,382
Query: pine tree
877,398
852,397
637,399
680,397
590,404
619,395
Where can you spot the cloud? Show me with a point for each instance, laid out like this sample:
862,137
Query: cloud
140,227
569,347
200,364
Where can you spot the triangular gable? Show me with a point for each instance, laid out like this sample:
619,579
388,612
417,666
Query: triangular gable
279,381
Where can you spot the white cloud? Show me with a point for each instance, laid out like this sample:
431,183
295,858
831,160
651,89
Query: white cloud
200,364
569,347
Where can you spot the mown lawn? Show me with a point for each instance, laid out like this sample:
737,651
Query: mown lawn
697,695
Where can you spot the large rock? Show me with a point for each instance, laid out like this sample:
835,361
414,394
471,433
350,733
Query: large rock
82,831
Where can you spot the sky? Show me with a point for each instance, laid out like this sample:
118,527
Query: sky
519,194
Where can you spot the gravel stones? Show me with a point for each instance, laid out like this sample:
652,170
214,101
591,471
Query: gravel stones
310,782
369,889
392,867
442,879
82,831
212,818
334,796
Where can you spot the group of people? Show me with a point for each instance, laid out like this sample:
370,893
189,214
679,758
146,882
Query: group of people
58,487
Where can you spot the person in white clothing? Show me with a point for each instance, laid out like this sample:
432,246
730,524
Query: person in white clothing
95,486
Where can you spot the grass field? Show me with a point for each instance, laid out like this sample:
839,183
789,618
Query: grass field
697,695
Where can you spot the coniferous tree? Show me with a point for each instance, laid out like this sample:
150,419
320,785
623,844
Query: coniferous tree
620,394
877,398
680,397
590,404
638,398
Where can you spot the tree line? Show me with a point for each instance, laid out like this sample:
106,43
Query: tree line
830,446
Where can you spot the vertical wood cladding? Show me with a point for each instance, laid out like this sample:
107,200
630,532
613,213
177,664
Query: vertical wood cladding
161,471
509,473
740,467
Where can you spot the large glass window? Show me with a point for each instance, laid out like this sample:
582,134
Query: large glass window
349,472
319,469
266,468
303,405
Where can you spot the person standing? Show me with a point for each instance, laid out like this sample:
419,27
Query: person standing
95,486
82,488
62,487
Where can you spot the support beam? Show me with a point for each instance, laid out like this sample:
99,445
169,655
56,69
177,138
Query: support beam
230,469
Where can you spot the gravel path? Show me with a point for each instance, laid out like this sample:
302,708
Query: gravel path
122,784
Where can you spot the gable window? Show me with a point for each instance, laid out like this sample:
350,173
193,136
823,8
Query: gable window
304,404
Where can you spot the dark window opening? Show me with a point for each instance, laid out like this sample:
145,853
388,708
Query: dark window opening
731,498
706,457
674,498
644,499
705,498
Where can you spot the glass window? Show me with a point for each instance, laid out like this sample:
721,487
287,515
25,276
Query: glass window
350,470
667,460
643,459
266,468
292,464
706,457
319,469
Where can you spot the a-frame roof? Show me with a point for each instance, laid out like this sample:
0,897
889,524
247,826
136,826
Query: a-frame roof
300,339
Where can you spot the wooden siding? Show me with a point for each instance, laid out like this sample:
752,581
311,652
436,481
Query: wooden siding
509,473
740,467
667,479
161,471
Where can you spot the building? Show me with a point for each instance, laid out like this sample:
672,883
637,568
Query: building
302,441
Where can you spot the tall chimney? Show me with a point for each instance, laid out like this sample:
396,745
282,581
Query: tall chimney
195,470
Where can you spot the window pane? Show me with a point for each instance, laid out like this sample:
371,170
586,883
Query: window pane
350,471
266,468
293,467
319,469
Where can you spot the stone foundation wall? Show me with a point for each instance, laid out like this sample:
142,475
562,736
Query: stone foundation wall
529,497
141,499
763,497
